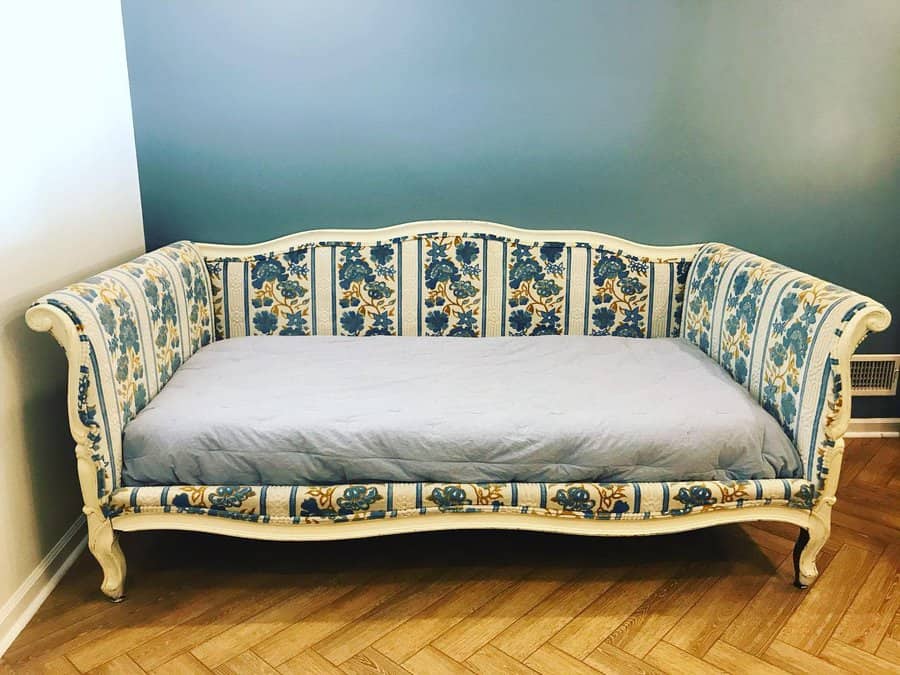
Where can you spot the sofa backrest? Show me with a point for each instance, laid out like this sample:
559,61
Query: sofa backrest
475,282
136,324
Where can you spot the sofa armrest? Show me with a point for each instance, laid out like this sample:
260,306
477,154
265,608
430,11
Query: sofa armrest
125,332
785,336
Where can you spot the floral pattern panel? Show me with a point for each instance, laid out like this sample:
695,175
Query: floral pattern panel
537,289
138,323
299,504
621,294
453,272
775,331
367,289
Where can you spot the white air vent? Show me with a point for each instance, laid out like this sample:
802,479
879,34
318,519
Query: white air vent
874,374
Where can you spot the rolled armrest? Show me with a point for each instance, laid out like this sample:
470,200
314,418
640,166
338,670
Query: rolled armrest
785,336
125,332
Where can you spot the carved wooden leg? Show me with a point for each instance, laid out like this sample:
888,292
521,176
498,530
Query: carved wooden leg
808,545
104,544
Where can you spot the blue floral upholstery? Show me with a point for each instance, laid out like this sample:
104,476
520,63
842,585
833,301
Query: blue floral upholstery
452,285
137,323
775,330
340,503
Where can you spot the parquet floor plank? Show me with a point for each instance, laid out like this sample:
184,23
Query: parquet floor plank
613,661
733,660
810,627
467,637
431,661
495,602
309,662
368,661
489,660
869,617
597,622
419,631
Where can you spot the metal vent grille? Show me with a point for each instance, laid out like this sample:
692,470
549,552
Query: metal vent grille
874,374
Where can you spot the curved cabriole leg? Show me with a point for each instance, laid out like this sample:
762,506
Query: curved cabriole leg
808,545
104,544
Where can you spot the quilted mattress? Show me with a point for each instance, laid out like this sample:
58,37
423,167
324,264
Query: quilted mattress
320,410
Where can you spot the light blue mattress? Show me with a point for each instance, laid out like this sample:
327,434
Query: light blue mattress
318,410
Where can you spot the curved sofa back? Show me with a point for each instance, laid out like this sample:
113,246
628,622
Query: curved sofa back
447,278
785,336
134,325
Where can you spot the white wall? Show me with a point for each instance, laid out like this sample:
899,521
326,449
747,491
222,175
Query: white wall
69,206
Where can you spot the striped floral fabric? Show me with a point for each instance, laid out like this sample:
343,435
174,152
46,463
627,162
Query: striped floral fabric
775,330
137,324
470,285
338,503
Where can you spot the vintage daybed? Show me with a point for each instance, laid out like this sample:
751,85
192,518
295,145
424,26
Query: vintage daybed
734,411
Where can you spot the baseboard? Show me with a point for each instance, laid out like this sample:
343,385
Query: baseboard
28,598
874,427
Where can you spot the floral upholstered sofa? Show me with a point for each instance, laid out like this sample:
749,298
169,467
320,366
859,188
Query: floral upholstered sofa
783,336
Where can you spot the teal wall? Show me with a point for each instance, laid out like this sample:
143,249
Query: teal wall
769,125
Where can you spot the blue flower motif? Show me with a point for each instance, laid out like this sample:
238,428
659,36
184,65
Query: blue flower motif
552,251
436,321
265,322
629,330
227,496
796,339
789,306
128,336
463,289
631,286
467,252
355,270
296,324
107,318
438,271
357,498
267,269
524,269
740,283
450,497
382,253
520,320
295,256
352,322
740,370
167,308
603,318
291,288
378,290
788,409
382,324
747,311
575,499
546,288
810,314
702,267
778,354
696,495
152,292
608,267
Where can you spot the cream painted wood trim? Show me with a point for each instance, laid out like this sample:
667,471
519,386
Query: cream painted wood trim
19,609
450,227
434,522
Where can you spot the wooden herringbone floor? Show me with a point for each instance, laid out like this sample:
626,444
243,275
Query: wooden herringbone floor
492,602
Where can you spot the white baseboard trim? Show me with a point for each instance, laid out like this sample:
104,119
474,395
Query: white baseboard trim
874,427
30,595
